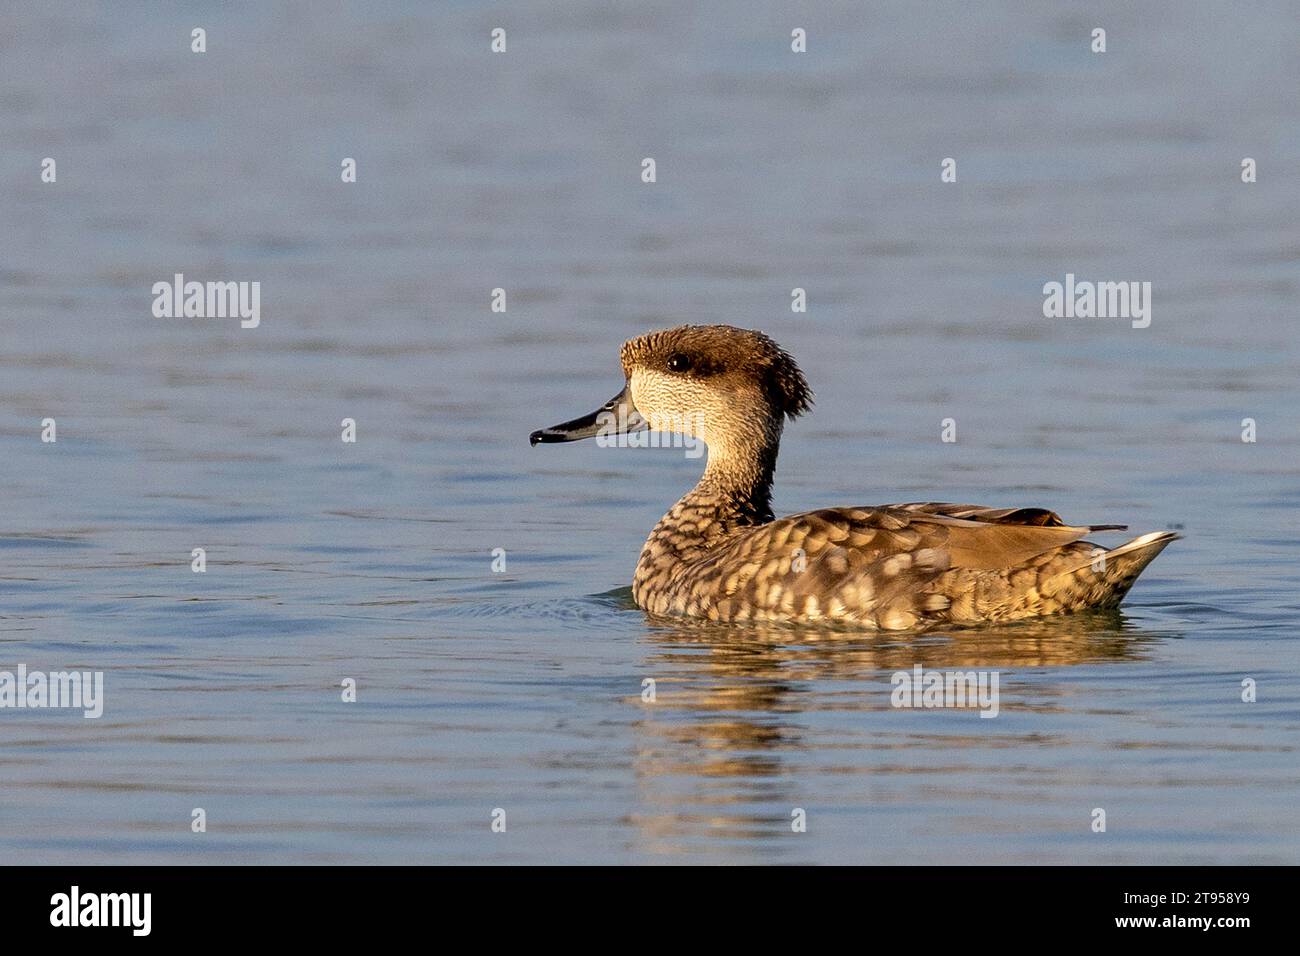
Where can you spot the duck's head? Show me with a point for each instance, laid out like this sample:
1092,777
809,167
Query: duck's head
715,383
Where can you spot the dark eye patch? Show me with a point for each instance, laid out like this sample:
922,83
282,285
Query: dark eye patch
697,365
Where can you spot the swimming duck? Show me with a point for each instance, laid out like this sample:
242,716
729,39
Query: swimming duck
721,554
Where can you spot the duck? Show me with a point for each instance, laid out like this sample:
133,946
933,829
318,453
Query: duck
720,554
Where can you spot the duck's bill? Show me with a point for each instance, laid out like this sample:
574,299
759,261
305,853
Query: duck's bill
618,416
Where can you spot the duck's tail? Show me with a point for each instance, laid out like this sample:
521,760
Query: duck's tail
1148,545
1108,575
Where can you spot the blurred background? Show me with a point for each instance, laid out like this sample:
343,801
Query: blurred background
522,170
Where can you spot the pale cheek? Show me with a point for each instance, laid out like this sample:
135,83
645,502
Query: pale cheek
644,396
667,406
651,398
677,422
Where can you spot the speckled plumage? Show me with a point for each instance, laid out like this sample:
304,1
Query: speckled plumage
720,554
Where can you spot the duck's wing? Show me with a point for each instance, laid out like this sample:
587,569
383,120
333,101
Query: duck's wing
876,563
985,539
1031,516
963,536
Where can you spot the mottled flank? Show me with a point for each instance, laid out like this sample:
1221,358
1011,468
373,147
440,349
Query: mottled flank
894,567
720,554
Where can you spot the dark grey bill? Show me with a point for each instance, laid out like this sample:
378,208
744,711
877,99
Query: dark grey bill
618,416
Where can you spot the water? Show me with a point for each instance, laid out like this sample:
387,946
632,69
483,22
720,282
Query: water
522,690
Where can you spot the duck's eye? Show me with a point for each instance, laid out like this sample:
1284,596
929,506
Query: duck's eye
677,362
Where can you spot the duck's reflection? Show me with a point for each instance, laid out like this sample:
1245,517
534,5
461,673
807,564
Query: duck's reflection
744,717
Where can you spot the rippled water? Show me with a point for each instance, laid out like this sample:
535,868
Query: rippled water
522,690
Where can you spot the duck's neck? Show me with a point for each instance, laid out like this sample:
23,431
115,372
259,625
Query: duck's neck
737,482
734,492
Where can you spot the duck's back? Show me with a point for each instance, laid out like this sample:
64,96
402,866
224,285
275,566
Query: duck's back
894,567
